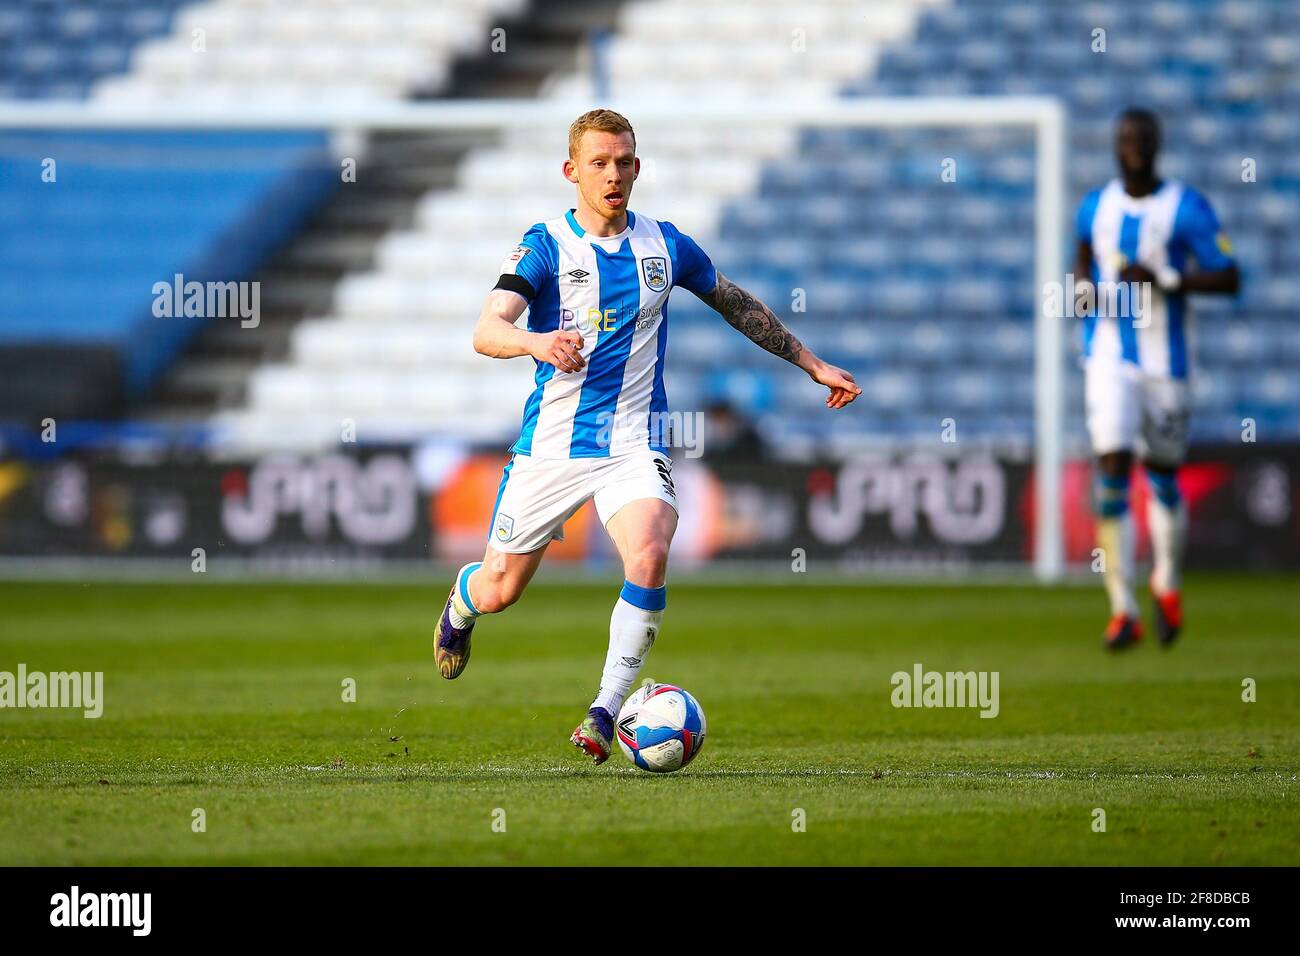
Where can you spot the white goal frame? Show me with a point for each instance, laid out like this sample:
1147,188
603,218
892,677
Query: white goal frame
1046,116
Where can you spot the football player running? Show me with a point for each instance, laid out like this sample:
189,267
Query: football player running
1160,238
596,282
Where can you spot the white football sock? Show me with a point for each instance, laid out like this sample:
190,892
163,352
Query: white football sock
463,612
1118,544
1116,539
633,627
1168,532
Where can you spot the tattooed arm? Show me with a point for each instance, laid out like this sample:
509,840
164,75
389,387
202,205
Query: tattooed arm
756,321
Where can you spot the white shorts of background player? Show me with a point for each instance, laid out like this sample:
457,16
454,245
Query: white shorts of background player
1132,410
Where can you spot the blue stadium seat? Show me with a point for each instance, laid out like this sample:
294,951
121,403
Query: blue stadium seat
962,260
128,227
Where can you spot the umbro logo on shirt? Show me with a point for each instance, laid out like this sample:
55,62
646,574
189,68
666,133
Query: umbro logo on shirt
578,276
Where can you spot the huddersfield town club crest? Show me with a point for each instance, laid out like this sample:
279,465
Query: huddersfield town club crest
505,527
656,273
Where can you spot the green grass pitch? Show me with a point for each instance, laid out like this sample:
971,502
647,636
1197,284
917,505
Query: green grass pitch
228,698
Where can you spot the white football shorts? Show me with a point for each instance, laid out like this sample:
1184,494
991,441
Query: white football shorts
537,495
1131,410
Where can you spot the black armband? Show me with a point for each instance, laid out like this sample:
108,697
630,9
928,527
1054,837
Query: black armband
518,284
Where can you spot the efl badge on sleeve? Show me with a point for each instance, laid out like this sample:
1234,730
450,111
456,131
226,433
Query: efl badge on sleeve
511,262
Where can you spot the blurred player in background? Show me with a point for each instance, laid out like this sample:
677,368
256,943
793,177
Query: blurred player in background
1141,229
596,283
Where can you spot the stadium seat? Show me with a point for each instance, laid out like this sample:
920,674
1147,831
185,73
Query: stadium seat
925,286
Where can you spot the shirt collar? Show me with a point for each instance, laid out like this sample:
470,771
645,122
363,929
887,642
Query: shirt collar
582,233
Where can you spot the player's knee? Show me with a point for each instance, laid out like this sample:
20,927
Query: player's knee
1115,464
648,564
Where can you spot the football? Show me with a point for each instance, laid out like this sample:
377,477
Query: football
661,728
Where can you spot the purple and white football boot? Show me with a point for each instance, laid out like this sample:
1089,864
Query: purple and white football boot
452,647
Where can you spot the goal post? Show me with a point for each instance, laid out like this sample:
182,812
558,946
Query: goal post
1045,116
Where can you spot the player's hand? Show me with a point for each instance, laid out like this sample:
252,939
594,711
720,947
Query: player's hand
843,388
1137,273
562,348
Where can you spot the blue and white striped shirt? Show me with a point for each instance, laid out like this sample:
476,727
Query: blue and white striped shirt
614,292
1166,228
